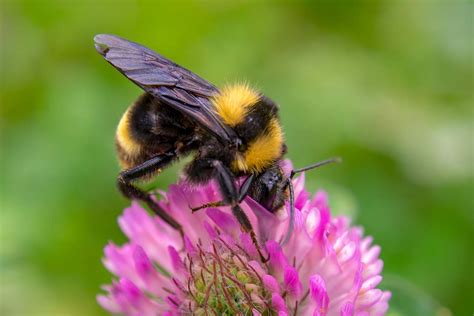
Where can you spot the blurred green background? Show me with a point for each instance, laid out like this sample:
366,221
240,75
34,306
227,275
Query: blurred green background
385,84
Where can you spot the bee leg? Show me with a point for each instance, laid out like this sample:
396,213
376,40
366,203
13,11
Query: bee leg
127,177
229,192
206,205
244,189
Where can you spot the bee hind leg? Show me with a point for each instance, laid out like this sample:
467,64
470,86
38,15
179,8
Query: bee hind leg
127,177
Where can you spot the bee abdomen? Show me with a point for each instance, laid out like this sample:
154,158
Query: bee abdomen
128,149
148,128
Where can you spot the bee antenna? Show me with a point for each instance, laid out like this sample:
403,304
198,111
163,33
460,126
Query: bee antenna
316,165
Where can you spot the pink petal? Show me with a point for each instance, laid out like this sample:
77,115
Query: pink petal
298,184
372,269
386,296
151,234
256,267
271,284
153,281
317,288
320,202
368,298
131,291
248,245
131,300
178,264
381,307
266,223
365,244
210,230
371,283
173,302
278,303
292,282
340,241
277,258
321,199
108,304
143,264
347,252
347,309
301,195
224,221
229,241
312,221
119,260
371,255
189,247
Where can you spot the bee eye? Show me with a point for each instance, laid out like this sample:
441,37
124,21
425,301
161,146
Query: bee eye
241,147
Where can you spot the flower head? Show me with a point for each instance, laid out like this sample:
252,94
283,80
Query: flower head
326,268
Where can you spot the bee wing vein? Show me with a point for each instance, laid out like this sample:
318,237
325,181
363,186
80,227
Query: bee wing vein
165,80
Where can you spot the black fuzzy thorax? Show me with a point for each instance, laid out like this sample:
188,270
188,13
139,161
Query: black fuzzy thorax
153,123
256,120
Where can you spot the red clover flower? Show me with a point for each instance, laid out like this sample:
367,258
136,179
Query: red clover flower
326,268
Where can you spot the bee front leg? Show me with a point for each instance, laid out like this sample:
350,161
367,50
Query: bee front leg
207,205
127,177
244,189
228,189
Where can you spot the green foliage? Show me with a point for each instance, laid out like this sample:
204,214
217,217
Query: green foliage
387,85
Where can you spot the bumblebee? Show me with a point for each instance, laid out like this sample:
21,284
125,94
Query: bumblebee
231,132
